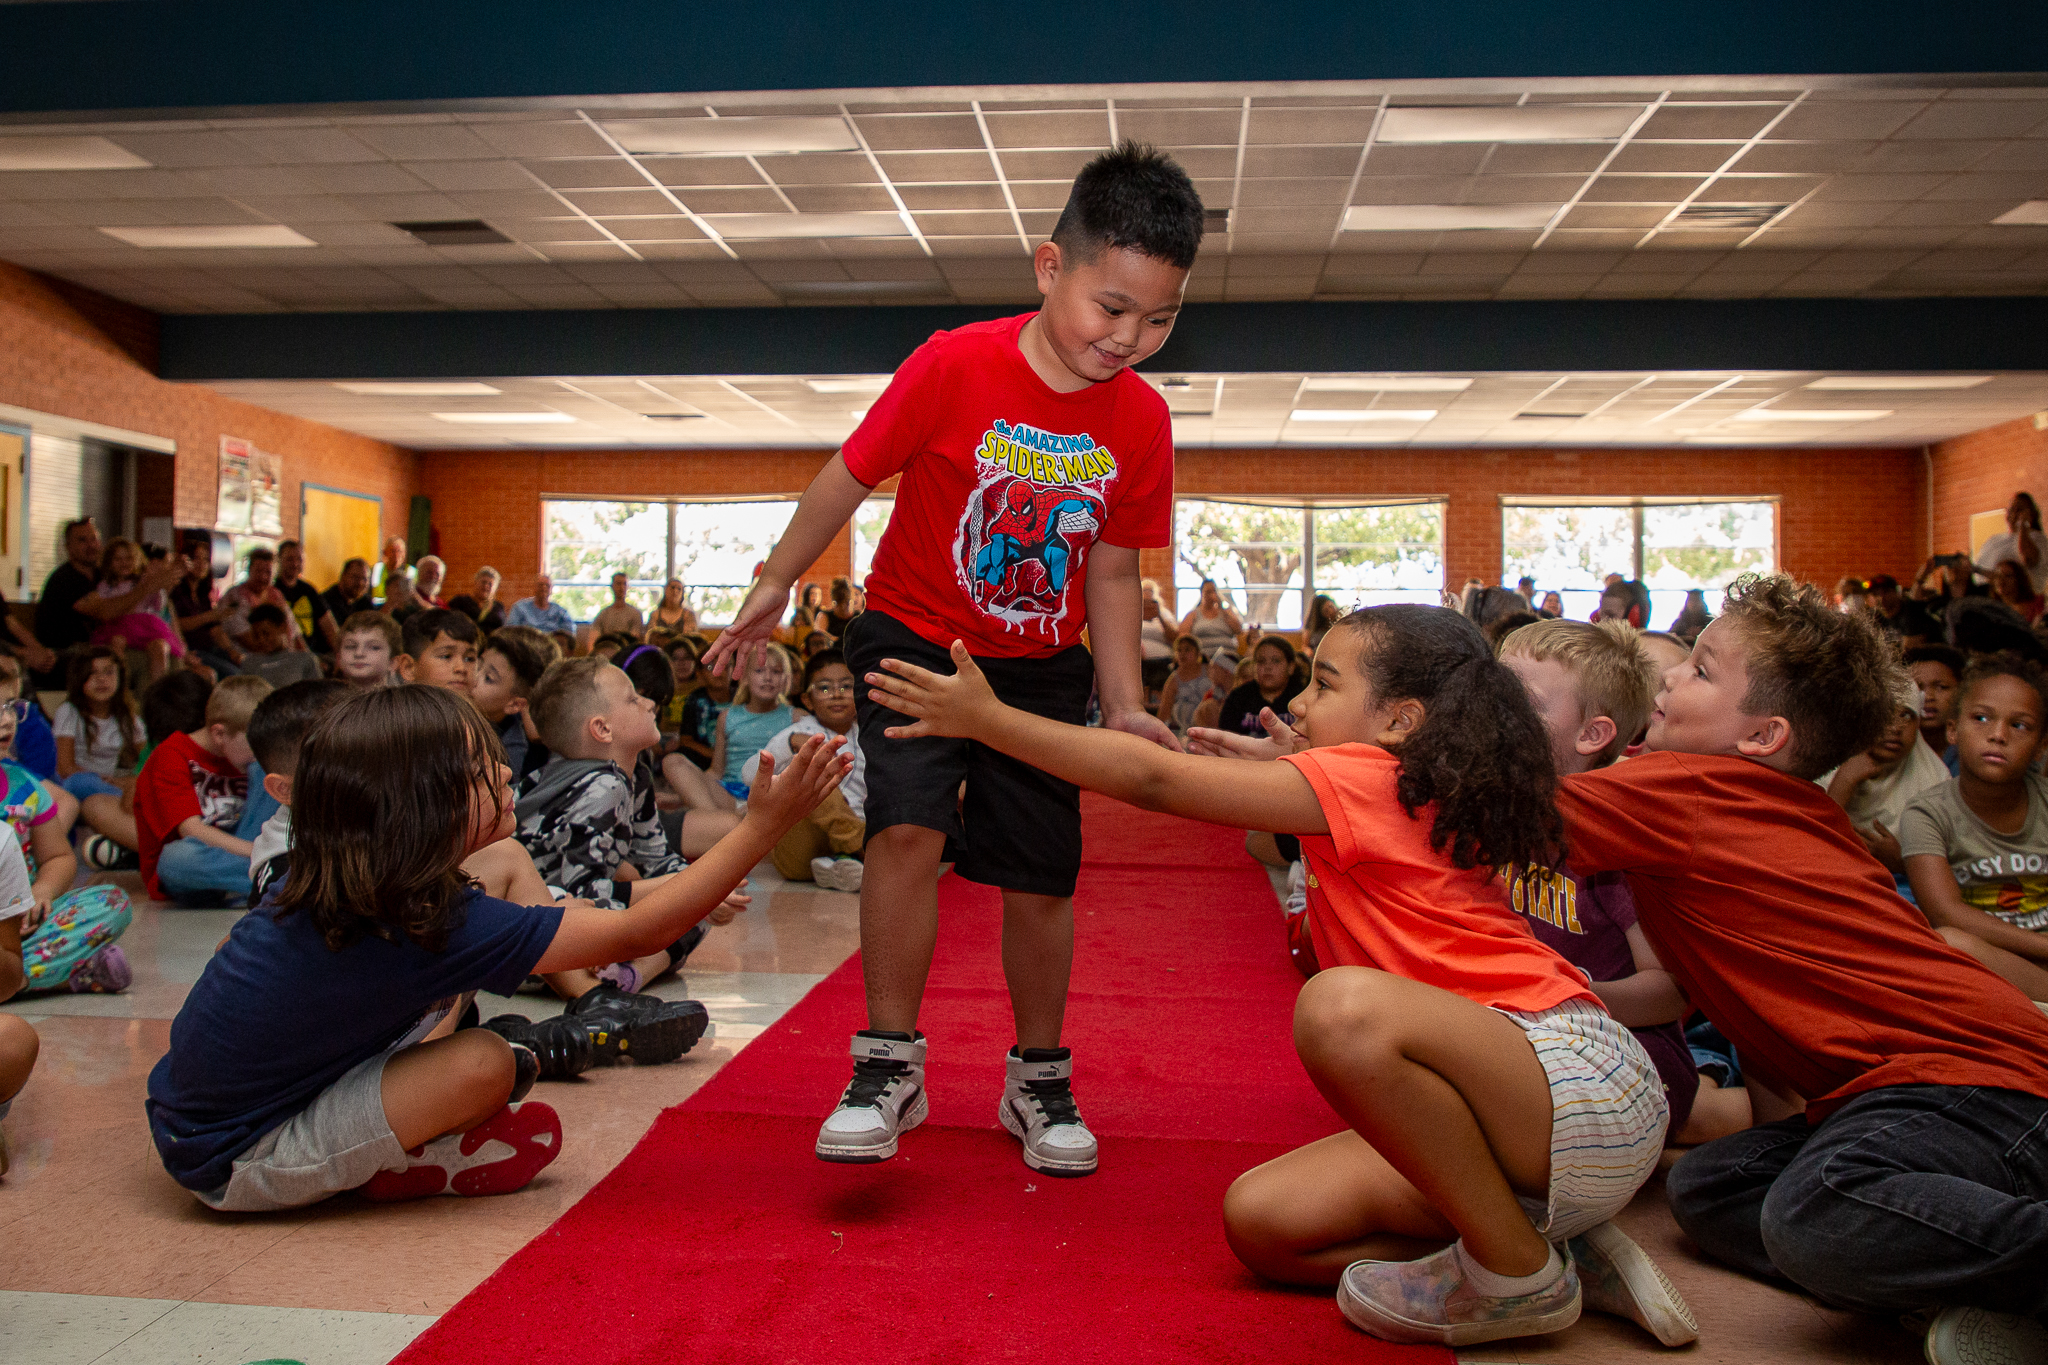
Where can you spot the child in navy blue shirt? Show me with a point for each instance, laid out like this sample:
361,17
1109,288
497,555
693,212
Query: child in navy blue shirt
317,1051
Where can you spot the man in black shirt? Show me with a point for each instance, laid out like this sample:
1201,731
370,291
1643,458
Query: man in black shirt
307,604
351,593
69,611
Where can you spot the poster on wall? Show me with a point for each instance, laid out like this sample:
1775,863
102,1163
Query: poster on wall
266,493
231,513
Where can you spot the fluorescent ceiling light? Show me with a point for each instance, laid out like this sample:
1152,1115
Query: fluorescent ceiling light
66,154
420,390
2033,213
508,419
1389,383
236,235
859,383
1811,415
1510,123
1875,382
732,136
1361,414
741,226
1445,217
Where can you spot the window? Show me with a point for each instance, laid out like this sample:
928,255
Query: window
870,519
714,547
1271,559
1672,544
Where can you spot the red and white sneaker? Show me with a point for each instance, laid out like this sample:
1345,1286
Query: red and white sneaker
502,1154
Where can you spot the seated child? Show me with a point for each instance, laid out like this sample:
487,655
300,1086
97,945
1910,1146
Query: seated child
300,1065
99,739
1226,674
18,1041
653,677
66,937
760,708
199,802
174,703
1592,687
583,816
269,656
1915,1178
1186,687
507,667
440,649
825,846
1937,670
1274,685
1976,846
1876,786
35,746
277,728
370,642
1496,1110
148,625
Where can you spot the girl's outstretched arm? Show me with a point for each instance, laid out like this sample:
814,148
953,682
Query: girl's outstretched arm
1268,796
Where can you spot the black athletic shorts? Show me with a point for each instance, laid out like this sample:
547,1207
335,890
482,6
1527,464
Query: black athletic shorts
1014,826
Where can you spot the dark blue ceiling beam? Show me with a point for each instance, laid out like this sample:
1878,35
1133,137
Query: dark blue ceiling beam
154,55
1972,334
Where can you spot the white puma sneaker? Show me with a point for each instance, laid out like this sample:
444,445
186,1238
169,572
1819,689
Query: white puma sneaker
1039,1110
884,1100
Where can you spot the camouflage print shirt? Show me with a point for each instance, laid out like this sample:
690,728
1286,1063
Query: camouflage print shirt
580,818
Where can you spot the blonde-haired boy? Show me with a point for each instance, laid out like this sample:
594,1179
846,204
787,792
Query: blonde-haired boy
199,802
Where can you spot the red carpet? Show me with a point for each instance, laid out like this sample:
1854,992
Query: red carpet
721,1238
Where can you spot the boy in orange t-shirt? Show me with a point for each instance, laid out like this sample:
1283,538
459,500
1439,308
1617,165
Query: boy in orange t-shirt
1917,1177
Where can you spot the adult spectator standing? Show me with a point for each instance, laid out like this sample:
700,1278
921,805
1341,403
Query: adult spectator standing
427,577
540,611
392,563
257,590
2021,541
675,614
198,618
304,603
351,592
480,604
621,617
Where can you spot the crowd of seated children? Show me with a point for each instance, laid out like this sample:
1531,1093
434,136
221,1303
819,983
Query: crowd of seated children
318,1052
1275,682
269,655
1499,1117
1976,845
438,649
99,737
760,708
508,666
370,645
1876,786
172,704
1937,671
67,937
1227,673
199,802
825,846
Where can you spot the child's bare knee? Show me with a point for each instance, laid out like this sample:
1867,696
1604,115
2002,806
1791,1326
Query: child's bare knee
19,1047
908,841
482,1065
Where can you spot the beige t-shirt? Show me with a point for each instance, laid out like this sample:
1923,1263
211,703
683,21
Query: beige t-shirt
620,618
2004,875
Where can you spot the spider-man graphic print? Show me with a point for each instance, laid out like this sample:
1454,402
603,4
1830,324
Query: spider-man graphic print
1038,505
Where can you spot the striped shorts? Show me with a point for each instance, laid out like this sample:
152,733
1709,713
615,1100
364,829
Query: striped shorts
1608,1115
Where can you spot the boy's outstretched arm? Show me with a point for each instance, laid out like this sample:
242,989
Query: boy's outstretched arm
1115,609
826,506
1267,796
591,938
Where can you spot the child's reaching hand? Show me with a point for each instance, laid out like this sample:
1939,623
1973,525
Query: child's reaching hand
1280,739
777,801
962,706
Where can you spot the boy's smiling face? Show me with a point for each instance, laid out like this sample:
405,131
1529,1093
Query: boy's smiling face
1699,705
1104,315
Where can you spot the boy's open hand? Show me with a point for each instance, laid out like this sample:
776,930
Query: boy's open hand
744,643
960,706
778,801
1281,738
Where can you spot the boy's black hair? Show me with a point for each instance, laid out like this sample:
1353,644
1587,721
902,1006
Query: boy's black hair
267,615
1950,659
818,663
422,629
175,704
1131,196
1500,627
527,650
1985,667
648,669
1481,754
280,722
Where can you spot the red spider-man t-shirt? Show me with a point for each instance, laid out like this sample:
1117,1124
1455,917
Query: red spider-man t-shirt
1006,487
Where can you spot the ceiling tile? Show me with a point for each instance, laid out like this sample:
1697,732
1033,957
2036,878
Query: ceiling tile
1291,219
175,151
671,229
241,180
1522,189
366,178
919,132
977,246
1624,189
1816,213
534,203
1179,127
558,137
839,198
1978,119
1089,129
1310,126
361,234
731,201
1927,154
1536,158
2031,155
2012,186
427,142
1300,161
1853,188
1274,193
1570,262
620,203
964,224
1411,189
1615,216
982,196
1848,119
1018,166
1803,156
701,170
1048,194
1201,162
1694,122
1947,213
824,168
406,208
1758,189
472,175
587,173
1672,157
302,146
1453,158
538,230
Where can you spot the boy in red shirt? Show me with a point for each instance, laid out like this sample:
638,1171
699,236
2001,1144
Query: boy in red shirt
199,802
1917,1177
1034,466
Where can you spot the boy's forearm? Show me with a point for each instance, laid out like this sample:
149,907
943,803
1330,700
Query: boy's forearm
658,917
825,507
1114,612
1108,761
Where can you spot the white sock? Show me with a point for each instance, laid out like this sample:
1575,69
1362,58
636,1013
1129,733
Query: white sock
1496,1286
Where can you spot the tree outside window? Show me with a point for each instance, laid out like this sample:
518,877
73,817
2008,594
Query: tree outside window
1270,560
714,547
1673,546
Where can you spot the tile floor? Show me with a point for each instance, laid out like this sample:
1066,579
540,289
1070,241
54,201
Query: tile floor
109,1263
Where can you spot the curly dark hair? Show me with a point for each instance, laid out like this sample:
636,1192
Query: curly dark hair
2006,664
381,813
1481,755
1831,674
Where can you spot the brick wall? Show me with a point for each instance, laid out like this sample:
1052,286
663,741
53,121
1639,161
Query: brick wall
68,351
1981,471
1841,511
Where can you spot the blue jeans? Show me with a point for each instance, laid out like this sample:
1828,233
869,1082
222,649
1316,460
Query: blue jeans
82,784
188,866
1909,1197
